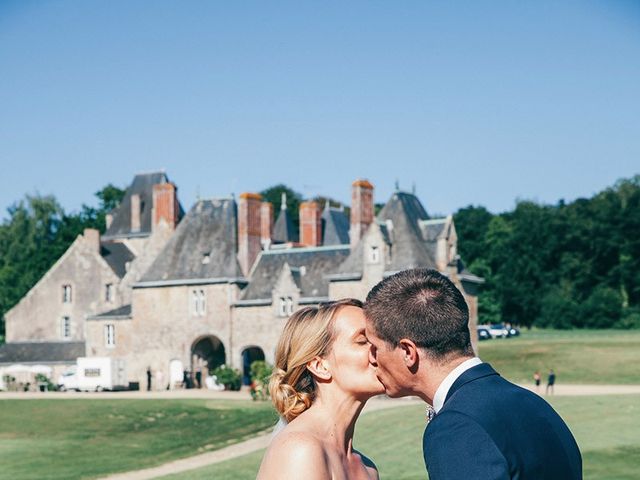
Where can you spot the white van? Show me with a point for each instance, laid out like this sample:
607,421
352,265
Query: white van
94,374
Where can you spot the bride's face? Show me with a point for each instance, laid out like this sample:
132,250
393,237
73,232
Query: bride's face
349,356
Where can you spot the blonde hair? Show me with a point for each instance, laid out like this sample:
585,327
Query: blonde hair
308,334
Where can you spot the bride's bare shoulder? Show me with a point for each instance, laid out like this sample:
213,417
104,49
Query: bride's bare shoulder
292,452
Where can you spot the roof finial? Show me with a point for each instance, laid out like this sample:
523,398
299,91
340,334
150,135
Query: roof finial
397,185
413,188
283,201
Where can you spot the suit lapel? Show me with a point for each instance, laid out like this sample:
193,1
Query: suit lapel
479,371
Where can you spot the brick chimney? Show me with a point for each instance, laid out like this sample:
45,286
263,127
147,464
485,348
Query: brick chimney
361,210
165,205
92,237
310,224
135,212
249,229
266,224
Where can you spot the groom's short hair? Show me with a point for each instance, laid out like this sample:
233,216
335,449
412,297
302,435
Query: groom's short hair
423,306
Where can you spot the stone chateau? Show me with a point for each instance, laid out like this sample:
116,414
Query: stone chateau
173,291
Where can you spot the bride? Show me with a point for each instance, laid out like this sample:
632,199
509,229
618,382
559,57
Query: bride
321,381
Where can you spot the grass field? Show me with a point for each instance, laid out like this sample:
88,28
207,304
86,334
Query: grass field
605,427
72,439
577,356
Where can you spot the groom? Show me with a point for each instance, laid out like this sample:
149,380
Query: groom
484,426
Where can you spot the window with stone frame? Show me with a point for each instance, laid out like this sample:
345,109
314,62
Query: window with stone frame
374,254
108,293
289,305
285,306
66,293
202,303
282,307
65,328
110,335
198,303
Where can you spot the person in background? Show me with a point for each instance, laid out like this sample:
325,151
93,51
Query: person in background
551,381
536,380
148,379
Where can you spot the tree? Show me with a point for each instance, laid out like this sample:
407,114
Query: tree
274,195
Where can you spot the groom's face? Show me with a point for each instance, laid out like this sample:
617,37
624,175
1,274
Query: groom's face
389,363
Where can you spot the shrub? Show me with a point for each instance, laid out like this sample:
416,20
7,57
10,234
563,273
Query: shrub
229,377
260,371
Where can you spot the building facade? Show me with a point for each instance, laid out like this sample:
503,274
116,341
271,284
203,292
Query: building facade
168,294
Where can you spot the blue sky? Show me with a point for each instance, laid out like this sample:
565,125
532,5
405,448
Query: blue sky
473,102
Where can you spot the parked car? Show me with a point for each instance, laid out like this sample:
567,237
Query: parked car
498,330
484,333
513,331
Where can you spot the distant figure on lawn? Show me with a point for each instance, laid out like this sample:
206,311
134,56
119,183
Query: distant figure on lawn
481,426
551,381
536,379
148,379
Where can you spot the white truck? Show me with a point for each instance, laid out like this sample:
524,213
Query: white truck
94,374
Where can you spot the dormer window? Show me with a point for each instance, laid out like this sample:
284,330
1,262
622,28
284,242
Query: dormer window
285,306
374,254
66,294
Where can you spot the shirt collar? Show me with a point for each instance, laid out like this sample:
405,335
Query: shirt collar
443,389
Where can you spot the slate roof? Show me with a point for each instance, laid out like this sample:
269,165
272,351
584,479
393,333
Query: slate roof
41,352
117,255
203,247
123,312
399,221
433,229
283,229
317,262
335,226
142,185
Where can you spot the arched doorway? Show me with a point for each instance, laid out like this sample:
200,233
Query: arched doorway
250,355
207,353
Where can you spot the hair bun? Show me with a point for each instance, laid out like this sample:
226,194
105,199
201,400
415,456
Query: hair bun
287,400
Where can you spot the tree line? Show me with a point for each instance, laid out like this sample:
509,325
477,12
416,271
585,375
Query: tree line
569,265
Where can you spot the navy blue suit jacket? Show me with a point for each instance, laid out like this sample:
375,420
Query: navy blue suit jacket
490,429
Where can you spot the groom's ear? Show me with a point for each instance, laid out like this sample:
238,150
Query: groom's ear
319,368
409,352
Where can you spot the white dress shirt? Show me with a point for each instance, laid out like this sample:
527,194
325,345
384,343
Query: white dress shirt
443,389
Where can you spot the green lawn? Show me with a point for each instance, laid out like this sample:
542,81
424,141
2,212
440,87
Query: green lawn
73,439
605,427
577,356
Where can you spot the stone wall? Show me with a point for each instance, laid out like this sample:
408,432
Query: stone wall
165,328
38,316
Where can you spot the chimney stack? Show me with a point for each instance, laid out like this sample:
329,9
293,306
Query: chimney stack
108,220
135,212
165,205
92,237
249,229
266,224
310,224
361,210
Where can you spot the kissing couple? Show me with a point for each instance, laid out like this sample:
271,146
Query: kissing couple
410,338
